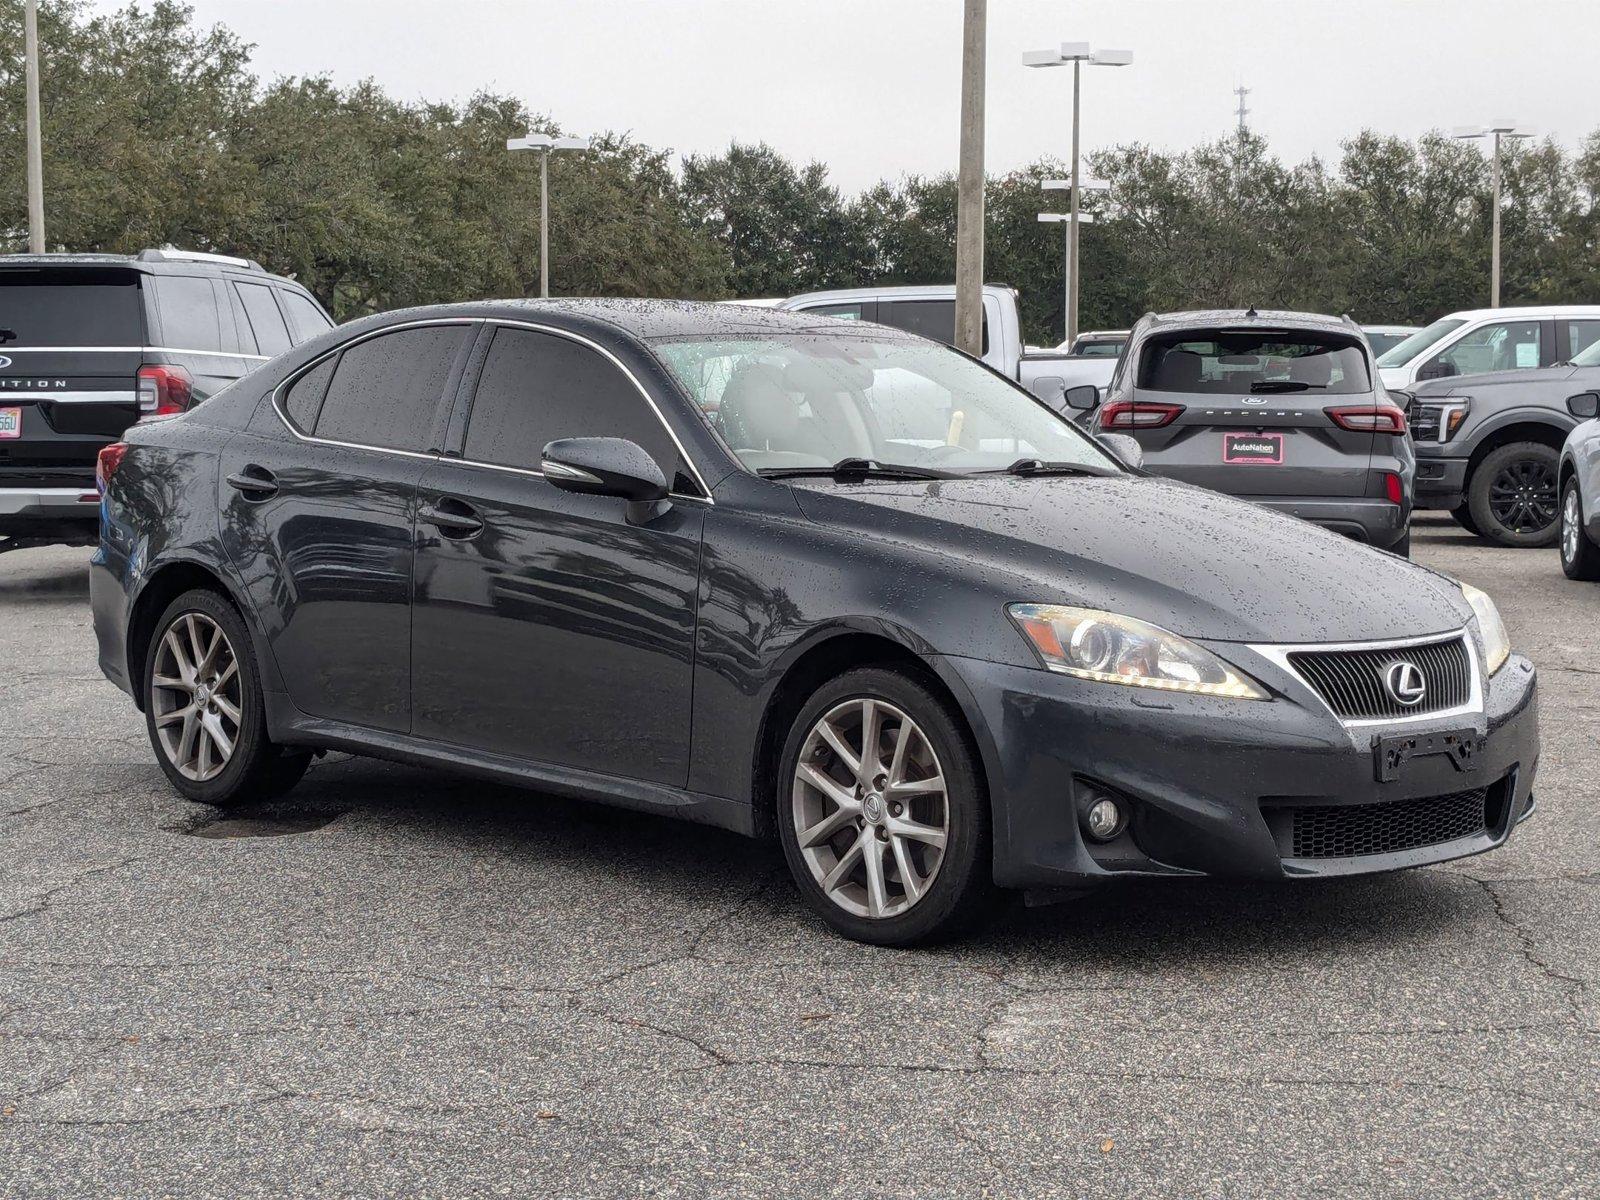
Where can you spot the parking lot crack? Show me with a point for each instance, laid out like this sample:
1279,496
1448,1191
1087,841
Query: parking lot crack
44,900
1574,987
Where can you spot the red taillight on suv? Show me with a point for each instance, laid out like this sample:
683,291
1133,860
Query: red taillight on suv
164,391
106,464
1138,414
1369,418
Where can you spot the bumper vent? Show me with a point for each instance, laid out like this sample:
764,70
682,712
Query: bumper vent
1353,830
1354,682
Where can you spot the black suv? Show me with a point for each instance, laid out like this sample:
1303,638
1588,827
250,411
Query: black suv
91,343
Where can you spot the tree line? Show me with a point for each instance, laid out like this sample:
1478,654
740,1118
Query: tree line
157,131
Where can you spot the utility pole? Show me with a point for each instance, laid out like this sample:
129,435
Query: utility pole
969,183
1505,129
30,51
1241,91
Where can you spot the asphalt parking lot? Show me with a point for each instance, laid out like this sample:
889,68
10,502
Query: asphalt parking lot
396,982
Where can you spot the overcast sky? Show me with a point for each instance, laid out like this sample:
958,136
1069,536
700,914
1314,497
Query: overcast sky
870,87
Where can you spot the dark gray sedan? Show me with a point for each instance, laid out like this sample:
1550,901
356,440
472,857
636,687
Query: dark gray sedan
831,583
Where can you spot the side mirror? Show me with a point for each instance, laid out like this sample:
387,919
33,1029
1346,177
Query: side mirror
1052,389
604,466
1084,397
1585,405
1124,448
1437,369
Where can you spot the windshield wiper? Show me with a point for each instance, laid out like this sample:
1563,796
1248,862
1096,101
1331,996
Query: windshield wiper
1037,466
1283,385
856,468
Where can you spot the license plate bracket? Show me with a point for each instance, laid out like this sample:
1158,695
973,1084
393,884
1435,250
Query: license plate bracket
10,423
1253,449
1390,754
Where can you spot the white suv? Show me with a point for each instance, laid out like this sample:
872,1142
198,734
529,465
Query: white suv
1490,339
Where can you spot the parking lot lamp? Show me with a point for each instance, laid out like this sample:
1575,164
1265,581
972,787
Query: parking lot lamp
1076,53
544,144
1500,130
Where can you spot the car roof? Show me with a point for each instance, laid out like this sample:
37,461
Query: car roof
146,262
1528,310
1237,318
1101,333
1391,329
930,291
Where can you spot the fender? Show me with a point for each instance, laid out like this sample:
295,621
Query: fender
1558,420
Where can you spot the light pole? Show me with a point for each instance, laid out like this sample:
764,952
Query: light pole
969,180
1501,129
544,144
1065,219
1076,53
30,51
1074,255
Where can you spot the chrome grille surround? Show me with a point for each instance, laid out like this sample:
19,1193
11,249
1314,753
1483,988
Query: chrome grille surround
1347,677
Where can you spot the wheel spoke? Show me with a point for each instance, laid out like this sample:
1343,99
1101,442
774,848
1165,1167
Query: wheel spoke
837,744
909,879
826,828
202,761
877,891
219,737
228,709
176,715
918,787
902,743
847,863
208,663
170,683
180,656
196,652
871,728
928,835
228,672
828,786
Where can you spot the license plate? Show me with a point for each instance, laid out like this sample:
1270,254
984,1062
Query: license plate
10,422
1261,449
1391,754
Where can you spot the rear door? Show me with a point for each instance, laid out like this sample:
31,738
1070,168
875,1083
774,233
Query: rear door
193,329
70,349
1246,411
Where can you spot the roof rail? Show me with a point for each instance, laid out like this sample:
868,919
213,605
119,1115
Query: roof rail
173,254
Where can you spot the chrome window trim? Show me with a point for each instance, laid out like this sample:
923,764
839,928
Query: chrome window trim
65,397
133,350
1278,653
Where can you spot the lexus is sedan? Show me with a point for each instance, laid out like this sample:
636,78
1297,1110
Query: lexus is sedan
831,583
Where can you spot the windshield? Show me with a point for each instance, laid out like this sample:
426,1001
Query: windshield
813,400
1382,343
1229,361
1414,345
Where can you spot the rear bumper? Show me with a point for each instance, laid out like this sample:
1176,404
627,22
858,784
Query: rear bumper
1376,522
49,512
1441,481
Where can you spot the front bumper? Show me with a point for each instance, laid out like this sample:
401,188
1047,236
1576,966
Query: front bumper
49,512
1376,522
1441,481
1209,780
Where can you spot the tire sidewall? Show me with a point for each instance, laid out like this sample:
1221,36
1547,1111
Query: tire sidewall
1478,495
965,874
251,746
1585,563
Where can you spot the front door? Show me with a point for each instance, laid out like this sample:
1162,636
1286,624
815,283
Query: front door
546,626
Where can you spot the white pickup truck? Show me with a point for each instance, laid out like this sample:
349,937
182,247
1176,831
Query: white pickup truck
931,312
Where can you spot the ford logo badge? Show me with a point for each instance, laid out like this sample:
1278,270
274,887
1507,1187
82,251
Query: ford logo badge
4,362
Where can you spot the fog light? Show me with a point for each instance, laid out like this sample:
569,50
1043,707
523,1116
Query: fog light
1104,820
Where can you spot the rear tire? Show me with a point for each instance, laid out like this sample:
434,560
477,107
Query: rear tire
1463,515
869,817
204,710
1512,495
1580,557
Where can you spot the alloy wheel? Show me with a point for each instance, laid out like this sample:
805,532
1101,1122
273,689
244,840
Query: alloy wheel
1522,495
870,808
1571,526
195,696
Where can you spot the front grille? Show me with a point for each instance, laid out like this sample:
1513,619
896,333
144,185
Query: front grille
1352,830
1352,682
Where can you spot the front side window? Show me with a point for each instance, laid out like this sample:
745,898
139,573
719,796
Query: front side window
189,314
1242,361
1419,342
386,390
813,399
538,387
266,322
1501,346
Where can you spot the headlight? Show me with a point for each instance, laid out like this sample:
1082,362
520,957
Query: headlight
1496,644
1110,648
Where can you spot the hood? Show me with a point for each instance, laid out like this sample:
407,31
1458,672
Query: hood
1465,383
1192,561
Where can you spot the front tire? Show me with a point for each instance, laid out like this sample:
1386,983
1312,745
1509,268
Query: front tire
1580,557
204,709
882,811
1512,495
1463,516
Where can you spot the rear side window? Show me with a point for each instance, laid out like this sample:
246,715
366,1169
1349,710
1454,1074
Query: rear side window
386,390
537,387
304,398
266,322
1242,361
70,308
934,319
189,317
308,320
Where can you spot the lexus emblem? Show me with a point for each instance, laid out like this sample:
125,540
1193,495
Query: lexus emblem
1404,682
4,362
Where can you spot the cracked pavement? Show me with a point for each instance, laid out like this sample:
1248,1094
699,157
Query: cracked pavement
432,986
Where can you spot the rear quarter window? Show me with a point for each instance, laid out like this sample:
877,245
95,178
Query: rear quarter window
71,308
306,320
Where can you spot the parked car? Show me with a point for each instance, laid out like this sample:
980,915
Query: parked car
931,313
1490,339
1488,447
90,343
836,583
1097,343
1383,338
1279,408
1580,490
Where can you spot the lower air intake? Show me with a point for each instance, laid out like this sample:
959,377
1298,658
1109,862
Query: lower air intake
1353,830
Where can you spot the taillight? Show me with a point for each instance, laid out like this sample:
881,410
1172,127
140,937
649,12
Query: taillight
1393,488
1369,418
164,391
106,464
1138,414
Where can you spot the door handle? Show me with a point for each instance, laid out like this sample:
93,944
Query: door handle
452,518
257,483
